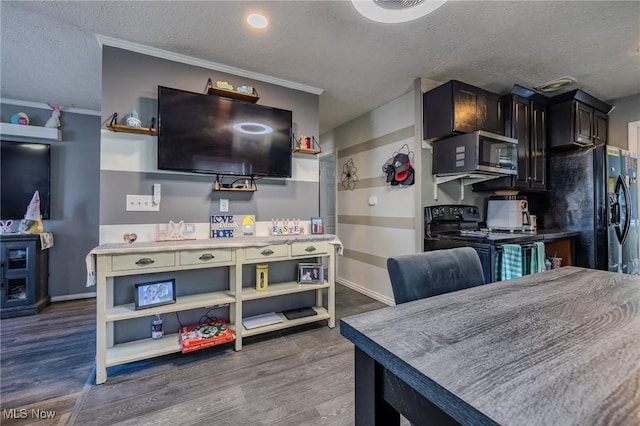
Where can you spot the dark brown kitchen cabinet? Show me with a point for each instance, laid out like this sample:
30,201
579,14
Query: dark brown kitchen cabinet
24,275
525,116
455,107
577,119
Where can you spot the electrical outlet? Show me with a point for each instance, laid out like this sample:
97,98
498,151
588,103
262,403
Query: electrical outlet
224,205
141,203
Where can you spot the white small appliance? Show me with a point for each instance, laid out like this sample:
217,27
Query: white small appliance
509,213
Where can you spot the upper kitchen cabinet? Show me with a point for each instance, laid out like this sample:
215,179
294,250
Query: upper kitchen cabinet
577,119
455,107
525,119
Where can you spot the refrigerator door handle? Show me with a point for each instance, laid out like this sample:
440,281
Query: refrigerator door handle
627,205
621,192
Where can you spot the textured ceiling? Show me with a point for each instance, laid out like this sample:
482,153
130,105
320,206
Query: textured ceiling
49,53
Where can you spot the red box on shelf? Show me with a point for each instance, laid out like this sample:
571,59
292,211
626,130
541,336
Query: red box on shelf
199,336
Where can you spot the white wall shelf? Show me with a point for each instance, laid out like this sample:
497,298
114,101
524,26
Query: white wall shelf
465,180
30,132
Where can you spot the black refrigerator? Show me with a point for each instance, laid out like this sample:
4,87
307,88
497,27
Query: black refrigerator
594,191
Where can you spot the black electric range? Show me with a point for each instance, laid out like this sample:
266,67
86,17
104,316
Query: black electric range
450,226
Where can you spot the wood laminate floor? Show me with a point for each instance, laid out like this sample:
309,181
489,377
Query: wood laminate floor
300,376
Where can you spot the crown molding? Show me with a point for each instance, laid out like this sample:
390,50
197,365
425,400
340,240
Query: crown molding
41,105
177,57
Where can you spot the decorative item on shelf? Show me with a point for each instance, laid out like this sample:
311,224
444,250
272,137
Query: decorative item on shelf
54,120
130,238
310,273
223,85
133,120
175,231
225,226
32,222
306,145
316,225
241,184
5,226
20,118
286,227
204,335
398,168
223,88
115,127
157,293
349,176
245,89
262,276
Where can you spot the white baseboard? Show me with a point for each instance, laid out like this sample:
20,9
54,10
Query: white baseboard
73,297
367,292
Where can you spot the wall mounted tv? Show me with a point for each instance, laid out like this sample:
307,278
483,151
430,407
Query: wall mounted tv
24,168
211,134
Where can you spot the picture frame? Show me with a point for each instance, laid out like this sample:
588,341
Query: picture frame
310,273
316,225
157,293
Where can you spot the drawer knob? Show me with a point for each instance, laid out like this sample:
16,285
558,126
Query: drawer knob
310,249
206,256
267,252
145,261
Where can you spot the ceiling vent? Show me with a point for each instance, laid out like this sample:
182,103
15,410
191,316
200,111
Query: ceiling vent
395,11
397,4
557,84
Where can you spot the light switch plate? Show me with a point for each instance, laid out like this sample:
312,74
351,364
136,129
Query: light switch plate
141,203
224,205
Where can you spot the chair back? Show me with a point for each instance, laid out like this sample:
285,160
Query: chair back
416,276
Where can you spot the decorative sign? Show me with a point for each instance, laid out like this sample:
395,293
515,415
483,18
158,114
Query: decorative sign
175,231
286,227
228,226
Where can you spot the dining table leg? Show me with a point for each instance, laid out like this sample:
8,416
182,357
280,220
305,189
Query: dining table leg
370,407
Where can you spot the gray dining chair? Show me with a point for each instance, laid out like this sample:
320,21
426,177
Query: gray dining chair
416,276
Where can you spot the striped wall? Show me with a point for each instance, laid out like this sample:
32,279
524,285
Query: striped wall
128,162
372,233
394,225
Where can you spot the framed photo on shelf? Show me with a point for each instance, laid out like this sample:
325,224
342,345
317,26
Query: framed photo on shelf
316,225
310,273
149,295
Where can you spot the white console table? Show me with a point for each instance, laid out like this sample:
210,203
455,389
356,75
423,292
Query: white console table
113,260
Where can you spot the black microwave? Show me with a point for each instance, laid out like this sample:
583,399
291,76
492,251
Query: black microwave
475,152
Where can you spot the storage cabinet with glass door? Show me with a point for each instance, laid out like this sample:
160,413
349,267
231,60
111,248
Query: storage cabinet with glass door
24,276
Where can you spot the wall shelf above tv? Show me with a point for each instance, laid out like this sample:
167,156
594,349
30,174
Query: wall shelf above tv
212,90
30,132
111,125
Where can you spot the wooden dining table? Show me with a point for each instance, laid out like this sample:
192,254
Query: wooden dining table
560,347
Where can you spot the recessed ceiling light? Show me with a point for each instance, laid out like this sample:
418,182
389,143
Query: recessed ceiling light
556,84
257,21
395,11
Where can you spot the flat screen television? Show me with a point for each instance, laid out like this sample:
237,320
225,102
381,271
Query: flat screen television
24,168
211,134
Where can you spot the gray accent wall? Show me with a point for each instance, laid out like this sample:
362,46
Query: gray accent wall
191,198
130,80
75,186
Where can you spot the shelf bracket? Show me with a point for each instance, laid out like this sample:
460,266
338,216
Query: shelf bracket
465,180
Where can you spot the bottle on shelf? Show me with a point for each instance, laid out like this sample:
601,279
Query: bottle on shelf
156,328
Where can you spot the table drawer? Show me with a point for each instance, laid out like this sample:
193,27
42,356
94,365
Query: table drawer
312,248
266,252
206,256
127,262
